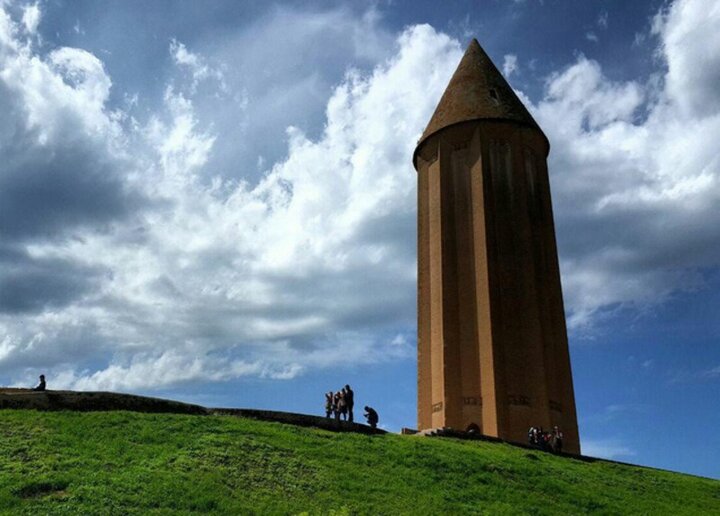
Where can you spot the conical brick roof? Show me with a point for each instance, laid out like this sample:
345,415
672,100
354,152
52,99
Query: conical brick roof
477,91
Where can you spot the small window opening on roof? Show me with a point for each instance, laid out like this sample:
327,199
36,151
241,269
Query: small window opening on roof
494,95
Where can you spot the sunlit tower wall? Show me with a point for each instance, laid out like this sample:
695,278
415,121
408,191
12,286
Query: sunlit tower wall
492,340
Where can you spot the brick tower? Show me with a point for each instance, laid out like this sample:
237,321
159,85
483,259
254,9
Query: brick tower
492,342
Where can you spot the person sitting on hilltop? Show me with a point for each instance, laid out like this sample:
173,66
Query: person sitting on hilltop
41,385
371,416
349,402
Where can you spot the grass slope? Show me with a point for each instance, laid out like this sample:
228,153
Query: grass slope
131,463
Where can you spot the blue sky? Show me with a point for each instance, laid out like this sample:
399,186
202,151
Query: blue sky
215,201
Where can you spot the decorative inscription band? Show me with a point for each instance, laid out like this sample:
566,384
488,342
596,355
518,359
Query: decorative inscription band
514,399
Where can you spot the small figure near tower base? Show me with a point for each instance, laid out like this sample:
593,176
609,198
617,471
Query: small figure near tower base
492,342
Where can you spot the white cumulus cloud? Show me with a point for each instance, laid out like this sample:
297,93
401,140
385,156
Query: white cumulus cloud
510,64
311,266
635,173
142,253
612,449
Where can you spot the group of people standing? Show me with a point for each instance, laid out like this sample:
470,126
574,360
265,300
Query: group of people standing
340,404
548,441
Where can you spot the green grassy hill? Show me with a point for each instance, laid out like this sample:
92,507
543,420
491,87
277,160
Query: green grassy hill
133,463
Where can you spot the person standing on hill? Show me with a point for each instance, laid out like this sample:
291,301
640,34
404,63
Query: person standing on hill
349,402
557,440
342,404
41,385
329,404
532,436
336,405
372,416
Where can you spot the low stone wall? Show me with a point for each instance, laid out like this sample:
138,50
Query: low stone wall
104,401
91,401
292,418
460,434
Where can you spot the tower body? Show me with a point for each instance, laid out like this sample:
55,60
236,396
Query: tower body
492,340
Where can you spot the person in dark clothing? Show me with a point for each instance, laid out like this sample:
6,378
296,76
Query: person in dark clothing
546,441
349,402
540,439
371,416
41,385
329,404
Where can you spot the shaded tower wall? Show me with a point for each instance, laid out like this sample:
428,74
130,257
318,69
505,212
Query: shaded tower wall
492,342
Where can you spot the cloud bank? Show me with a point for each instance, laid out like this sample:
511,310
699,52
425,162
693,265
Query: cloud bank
180,279
635,171
138,253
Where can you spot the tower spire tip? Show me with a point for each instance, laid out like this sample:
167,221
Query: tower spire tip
477,91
